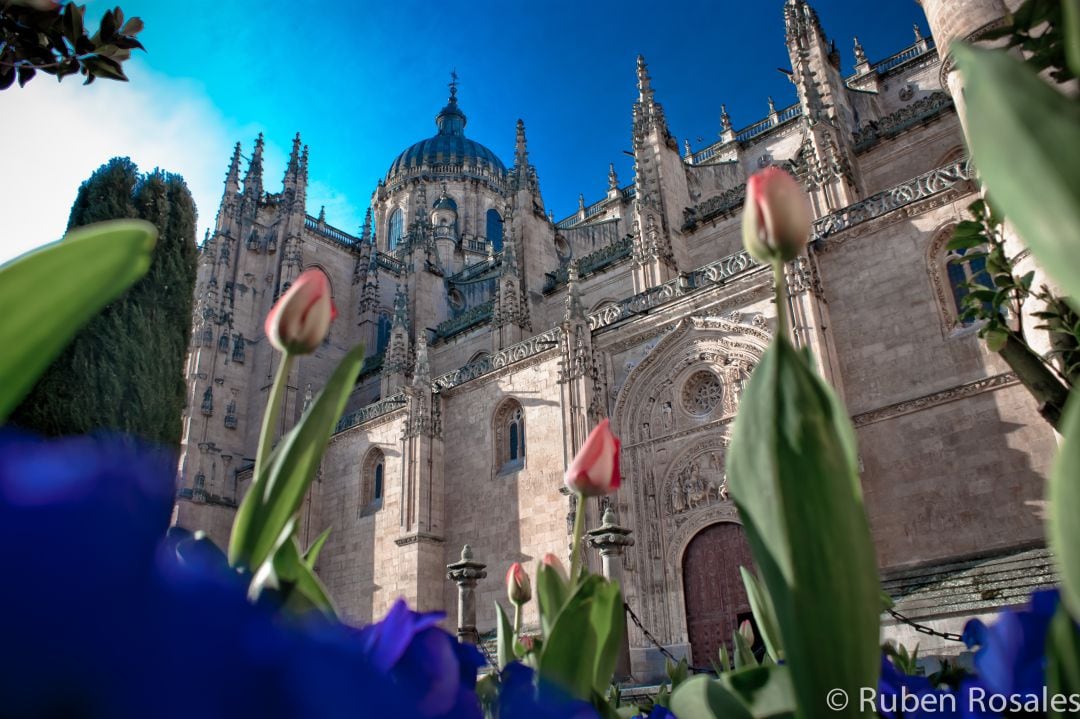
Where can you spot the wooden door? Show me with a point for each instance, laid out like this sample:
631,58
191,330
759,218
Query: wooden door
713,588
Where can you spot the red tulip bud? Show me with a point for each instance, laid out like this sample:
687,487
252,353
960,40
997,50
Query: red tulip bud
746,629
517,584
595,469
776,219
300,319
550,560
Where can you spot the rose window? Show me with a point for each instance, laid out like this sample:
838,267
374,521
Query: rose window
701,393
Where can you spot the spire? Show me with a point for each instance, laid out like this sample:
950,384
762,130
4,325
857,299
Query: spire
686,148
303,164
644,82
860,54
401,308
612,178
422,371
521,151
581,202
365,233
574,309
292,170
772,107
918,33
253,179
725,119
322,214
232,177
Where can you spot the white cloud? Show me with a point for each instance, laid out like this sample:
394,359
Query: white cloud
56,135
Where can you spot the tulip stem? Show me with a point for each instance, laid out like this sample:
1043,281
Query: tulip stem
517,620
575,546
781,299
273,411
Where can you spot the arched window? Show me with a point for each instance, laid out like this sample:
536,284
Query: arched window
960,274
396,229
372,482
495,230
509,437
949,275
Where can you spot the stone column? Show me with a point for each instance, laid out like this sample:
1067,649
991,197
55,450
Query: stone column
611,539
465,573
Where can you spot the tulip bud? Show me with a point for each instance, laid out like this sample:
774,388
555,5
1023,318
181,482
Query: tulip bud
746,629
550,560
595,469
300,319
776,218
517,584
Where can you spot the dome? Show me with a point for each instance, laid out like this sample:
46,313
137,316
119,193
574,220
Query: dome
448,146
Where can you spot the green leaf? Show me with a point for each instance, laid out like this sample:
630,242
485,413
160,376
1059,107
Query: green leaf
1025,139
306,591
263,521
551,594
312,554
580,652
767,691
50,293
996,338
725,660
701,697
764,614
792,471
1064,497
1063,656
744,657
504,638
1070,12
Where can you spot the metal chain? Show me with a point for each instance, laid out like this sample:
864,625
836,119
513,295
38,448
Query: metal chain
922,628
661,647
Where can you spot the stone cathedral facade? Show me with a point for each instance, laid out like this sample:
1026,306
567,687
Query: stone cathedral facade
497,337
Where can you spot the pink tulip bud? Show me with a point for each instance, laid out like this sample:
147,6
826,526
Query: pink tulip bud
776,218
595,469
550,560
517,584
300,319
746,629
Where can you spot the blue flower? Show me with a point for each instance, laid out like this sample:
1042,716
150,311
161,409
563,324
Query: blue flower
102,615
1010,654
521,698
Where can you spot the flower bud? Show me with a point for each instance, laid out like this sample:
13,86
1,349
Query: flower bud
550,560
517,584
595,469
300,319
776,218
746,629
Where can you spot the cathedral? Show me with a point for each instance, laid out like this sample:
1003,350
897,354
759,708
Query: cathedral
498,336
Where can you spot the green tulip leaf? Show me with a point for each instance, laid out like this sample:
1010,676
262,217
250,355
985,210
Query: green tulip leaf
792,471
304,590
50,293
312,554
1025,139
1064,498
582,648
744,656
764,614
263,521
702,697
504,641
551,593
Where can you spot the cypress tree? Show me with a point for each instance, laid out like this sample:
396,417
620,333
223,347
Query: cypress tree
124,370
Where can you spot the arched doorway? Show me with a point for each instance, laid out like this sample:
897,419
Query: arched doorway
715,597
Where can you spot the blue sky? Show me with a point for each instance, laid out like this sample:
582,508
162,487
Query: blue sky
361,81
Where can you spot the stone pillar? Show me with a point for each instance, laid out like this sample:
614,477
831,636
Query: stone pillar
611,539
465,573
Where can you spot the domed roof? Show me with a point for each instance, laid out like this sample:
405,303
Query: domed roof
448,146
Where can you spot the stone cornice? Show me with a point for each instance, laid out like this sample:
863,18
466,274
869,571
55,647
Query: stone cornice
918,404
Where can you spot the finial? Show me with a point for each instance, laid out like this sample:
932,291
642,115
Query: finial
322,214
609,517
521,150
612,178
686,147
644,81
466,553
772,107
725,119
918,33
581,202
453,85
860,54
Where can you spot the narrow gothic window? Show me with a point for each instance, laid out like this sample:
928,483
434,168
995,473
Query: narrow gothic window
509,437
238,349
208,401
495,230
223,343
383,337
208,336
230,415
397,228
960,274
372,476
